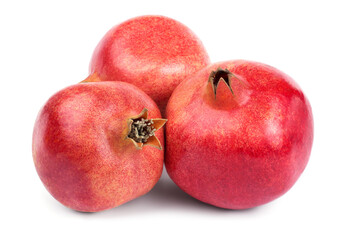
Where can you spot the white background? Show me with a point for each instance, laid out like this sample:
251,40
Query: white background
47,45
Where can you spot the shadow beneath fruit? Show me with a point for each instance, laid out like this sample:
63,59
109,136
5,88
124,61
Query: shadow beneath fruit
166,194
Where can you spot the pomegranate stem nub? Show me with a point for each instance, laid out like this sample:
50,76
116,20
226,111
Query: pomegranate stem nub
221,74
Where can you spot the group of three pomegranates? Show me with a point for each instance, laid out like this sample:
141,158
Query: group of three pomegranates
238,135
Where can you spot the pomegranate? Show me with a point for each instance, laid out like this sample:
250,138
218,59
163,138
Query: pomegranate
89,145
155,53
239,134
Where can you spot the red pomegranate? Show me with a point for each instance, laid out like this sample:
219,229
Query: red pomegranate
239,134
88,145
155,53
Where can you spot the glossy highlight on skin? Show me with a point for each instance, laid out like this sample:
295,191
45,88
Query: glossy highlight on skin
238,150
81,150
155,53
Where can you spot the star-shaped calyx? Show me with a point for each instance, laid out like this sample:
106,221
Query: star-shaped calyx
142,130
220,74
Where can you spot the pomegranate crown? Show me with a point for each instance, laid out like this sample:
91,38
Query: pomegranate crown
221,74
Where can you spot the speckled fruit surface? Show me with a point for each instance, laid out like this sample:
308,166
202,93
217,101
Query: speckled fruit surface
81,152
238,150
154,53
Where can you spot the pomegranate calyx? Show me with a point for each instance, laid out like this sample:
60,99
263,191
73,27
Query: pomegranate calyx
91,78
221,74
142,130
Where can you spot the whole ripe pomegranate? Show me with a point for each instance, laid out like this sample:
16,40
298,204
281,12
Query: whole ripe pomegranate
155,53
88,145
239,134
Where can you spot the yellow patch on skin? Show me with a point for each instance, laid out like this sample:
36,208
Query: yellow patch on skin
34,156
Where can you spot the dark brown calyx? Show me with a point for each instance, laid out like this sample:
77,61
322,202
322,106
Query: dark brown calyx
220,74
142,130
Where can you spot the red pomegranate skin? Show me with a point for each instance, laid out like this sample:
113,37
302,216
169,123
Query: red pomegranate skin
155,53
239,150
80,151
